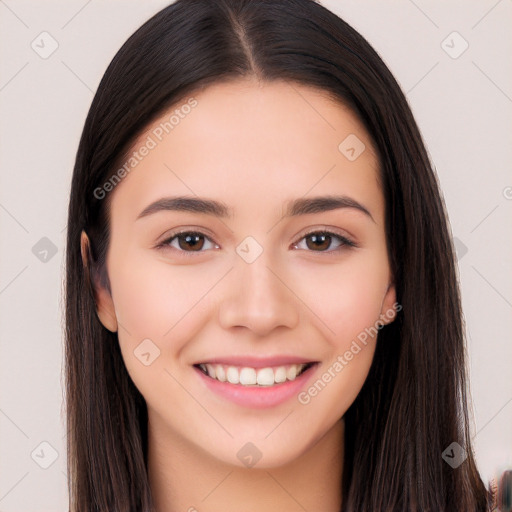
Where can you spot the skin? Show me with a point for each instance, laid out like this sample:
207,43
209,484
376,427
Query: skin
252,146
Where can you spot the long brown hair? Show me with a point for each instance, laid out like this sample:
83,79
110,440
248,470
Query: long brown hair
413,404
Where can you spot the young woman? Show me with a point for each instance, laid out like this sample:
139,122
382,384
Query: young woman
262,308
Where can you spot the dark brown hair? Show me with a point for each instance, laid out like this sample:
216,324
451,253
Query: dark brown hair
413,404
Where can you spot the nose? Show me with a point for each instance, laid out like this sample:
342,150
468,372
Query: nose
258,296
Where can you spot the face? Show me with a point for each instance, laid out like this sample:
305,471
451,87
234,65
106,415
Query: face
260,291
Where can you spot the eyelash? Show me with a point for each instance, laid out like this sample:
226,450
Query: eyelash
345,242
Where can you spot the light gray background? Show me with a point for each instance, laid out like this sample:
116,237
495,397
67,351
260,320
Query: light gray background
463,106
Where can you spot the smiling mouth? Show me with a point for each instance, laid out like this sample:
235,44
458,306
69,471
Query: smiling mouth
259,377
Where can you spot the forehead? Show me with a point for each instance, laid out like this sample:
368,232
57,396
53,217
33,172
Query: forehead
254,141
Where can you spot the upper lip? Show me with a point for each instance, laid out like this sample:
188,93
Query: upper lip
256,362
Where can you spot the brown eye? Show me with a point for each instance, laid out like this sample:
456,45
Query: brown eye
186,242
194,241
320,241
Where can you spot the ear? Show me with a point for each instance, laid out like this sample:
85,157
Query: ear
104,304
389,307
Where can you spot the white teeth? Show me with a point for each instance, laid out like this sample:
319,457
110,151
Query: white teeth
211,371
247,376
265,377
220,373
280,374
232,375
291,373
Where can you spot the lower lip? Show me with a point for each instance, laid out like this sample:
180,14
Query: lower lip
258,397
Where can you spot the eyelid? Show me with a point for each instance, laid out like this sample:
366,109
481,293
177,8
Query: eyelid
187,229
330,230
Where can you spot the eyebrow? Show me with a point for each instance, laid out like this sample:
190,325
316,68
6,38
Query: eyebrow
294,208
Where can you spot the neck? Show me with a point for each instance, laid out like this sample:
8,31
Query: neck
183,477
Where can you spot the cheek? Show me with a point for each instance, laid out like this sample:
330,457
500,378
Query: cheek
345,298
153,296
157,307
159,302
